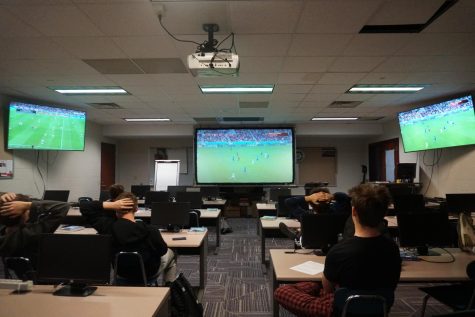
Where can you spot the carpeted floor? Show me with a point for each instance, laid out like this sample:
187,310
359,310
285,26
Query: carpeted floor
237,285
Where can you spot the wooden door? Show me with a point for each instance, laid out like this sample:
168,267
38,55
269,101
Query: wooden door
377,159
107,165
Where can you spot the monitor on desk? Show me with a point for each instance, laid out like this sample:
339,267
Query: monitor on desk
274,193
170,216
194,198
320,231
424,230
209,192
156,197
406,172
457,203
140,190
57,195
175,189
409,203
76,260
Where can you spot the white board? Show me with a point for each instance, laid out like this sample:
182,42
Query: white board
167,172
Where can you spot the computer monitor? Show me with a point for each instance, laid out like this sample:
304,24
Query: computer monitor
457,203
140,190
209,192
58,195
156,197
104,195
409,203
194,198
320,231
424,230
175,189
171,216
75,259
274,193
406,172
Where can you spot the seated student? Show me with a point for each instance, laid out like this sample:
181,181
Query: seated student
24,221
131,235
364,262
338,203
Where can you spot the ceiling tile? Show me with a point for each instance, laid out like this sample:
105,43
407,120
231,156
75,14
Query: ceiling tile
57,20
299,78
262,45
332,16
90,47
318,44
31,48
355,64
12,26
376,44
405,12
340,78
307,64
146,46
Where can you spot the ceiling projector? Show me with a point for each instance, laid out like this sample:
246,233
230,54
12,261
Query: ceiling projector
213,64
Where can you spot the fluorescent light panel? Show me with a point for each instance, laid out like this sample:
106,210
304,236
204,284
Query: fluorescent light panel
372,89
237,89
147,119
114,90
333,118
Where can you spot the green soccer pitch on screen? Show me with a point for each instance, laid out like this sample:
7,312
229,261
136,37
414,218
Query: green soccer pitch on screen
446,124
37,127
244,156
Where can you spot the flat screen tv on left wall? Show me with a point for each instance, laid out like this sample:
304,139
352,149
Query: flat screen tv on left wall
40,127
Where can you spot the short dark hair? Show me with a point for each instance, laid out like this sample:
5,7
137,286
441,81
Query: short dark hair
130,196
14,221
320,190
115,190
370,203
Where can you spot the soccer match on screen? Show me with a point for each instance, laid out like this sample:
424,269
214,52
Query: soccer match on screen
244,156
45,128
441,125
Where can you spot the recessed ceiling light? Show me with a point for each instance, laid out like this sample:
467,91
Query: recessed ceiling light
114,90
147,119
333,118
388,89
237,89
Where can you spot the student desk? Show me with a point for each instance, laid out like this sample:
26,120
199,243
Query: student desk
196,243
270,227
412,271
207,218
265,209
105,301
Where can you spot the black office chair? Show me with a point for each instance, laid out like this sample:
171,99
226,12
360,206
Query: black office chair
129,270
19,268
362,303
195,218
85,199
458,296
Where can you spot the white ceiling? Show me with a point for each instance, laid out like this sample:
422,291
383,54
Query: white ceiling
311,51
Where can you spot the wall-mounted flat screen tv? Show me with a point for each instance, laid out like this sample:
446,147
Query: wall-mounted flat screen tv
244,156
445,124
38,127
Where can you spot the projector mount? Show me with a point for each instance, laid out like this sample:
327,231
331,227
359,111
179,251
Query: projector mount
210,45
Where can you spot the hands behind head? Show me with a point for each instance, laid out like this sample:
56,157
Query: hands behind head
14,208
125,204
319,197
7,197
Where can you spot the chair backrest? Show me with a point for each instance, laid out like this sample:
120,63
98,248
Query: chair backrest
194,218
348,302
81,199
130,270
18,268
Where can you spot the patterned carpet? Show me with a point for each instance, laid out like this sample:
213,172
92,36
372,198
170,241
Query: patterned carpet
237,285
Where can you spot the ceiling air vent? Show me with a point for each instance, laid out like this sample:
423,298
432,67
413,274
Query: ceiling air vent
253,104
369,118
105,105
241,119
344,104
205,120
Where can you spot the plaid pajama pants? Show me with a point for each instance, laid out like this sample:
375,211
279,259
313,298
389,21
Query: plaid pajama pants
305,299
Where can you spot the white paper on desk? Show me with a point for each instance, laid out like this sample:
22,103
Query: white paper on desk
309,267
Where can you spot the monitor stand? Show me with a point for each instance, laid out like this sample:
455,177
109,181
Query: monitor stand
75,289
425,251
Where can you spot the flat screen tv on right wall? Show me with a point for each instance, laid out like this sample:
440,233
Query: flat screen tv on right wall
445,124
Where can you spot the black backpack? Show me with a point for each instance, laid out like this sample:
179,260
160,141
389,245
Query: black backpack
183,300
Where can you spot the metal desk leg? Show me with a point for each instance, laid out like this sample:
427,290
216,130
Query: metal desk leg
203,267
275,284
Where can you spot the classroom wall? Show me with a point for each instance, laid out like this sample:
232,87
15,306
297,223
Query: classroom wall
134,164
78,171
454,173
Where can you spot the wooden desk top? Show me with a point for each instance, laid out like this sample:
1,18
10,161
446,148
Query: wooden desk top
105,301
146,213
265,206
193,240
274,223
412,271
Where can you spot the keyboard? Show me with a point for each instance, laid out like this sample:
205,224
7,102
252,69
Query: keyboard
16,285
